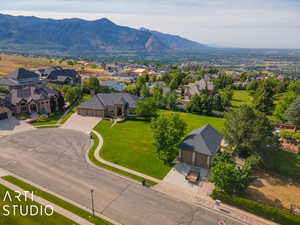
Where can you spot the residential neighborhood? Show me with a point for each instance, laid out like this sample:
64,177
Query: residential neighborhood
173,132
149,113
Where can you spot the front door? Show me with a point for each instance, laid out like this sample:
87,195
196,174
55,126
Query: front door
119,111
33,108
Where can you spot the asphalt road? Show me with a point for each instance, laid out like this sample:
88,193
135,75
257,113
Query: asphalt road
55,159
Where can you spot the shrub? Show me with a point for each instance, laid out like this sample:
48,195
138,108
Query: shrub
268,212
288,134
42,118
22,116
4,90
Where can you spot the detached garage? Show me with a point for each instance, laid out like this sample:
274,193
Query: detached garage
5,113
198,148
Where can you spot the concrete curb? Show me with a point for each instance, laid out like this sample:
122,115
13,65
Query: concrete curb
44,202
6,173
98,157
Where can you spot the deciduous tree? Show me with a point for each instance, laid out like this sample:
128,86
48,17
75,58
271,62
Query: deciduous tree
168,131
247,130
146,108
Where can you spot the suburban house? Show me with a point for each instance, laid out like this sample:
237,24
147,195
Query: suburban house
28,91
59,76
198,87
33,99
125,76
114,104
198,148
19,79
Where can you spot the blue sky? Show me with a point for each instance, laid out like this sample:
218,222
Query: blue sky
231,23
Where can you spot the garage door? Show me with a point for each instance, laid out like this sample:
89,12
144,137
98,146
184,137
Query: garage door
3,116
82,112
100,113
201,160
187,157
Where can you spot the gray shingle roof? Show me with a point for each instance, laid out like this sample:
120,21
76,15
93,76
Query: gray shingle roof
92,103
205,140
22,74
31,93
101,101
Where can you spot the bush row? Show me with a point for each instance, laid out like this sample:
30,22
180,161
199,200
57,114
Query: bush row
270,213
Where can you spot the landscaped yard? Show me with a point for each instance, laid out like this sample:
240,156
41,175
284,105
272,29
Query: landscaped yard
73,108
130,143
240,98
52,119
27,220
284,163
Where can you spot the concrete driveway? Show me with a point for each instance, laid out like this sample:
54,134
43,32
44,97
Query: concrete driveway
55,159
12,125
84,124
177,175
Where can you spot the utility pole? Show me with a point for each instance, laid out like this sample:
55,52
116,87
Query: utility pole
92,195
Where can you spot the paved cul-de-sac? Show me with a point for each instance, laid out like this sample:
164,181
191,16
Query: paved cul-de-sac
56,159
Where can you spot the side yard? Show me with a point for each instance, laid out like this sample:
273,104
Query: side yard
129,144
284,163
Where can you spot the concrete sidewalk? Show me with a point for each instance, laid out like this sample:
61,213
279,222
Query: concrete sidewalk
14,187
44,202
98,157
199,199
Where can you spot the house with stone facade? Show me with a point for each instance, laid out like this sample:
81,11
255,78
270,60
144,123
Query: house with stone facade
27,93
33,99
198,148
106,105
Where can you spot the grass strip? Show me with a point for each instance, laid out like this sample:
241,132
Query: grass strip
57,201
14,217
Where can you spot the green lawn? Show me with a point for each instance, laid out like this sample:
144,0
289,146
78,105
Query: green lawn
73,108
284,163
57,201
130,143
52,119
17,219
113,169
240,98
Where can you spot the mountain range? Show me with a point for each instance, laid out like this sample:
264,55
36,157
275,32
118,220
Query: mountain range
78,37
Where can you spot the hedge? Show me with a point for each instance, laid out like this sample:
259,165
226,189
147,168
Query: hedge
267,212
288,134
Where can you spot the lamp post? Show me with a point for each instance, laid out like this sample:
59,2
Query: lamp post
92,195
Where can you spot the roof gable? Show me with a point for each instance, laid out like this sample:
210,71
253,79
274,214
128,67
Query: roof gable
205,140
23,74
